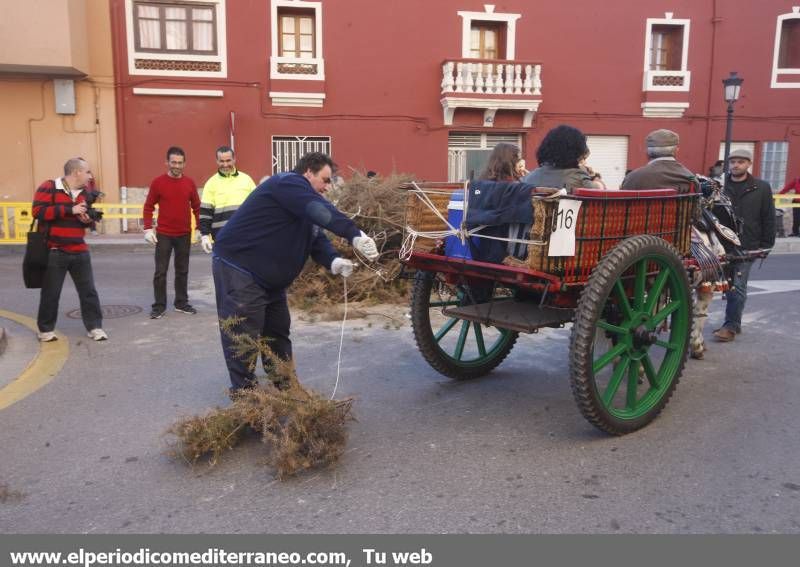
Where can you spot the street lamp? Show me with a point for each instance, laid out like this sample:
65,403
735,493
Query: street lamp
733,85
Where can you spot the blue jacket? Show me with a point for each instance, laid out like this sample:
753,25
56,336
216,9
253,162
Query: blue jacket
497,204
278,227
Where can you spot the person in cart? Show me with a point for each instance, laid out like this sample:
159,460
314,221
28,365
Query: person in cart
663,171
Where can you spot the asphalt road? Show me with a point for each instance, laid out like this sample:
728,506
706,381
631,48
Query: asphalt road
506,453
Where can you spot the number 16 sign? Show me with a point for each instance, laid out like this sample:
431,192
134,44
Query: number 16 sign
562,240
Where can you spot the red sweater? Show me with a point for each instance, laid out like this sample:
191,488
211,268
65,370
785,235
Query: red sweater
174,196
793,185
66,231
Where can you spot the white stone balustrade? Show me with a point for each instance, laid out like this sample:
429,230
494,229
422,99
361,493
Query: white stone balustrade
501,78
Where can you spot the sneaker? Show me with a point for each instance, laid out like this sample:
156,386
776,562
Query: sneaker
97,335
157,313
186,309
724,335
47,336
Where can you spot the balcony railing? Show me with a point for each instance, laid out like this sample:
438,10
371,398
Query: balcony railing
492,77
667,80
297,68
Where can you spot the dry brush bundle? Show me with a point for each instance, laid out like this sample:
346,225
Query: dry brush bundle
377,206
300,428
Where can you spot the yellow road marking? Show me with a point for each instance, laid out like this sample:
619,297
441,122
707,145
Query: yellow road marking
42,369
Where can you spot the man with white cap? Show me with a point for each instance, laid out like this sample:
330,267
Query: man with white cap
752,201
663,171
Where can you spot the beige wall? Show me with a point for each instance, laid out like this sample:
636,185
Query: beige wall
46,33
36,141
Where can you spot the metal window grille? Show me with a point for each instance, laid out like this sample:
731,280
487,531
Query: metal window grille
467,152
287,150
773,163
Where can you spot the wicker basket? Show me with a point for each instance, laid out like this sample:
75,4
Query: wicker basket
421,218
602,223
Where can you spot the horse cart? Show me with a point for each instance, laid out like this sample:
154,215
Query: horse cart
625,288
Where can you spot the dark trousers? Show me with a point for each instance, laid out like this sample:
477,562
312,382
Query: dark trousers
164,247
796,220
79,267
264,313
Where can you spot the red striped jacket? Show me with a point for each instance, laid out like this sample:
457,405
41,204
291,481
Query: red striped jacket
66,230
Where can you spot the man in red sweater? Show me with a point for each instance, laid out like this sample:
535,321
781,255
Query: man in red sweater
177,199
794,185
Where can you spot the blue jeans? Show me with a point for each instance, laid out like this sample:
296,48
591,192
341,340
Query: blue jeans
79,267
737,297
263,313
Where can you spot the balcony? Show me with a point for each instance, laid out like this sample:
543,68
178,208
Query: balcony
297,68
667,80
491,85
665,93
58,47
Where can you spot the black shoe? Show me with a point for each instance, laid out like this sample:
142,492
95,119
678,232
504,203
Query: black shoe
157,313
186,309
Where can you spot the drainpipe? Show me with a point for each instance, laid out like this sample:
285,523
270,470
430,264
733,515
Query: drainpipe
714,21
119,49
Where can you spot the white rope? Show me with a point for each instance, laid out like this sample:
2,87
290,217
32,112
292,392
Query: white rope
341,341
462,233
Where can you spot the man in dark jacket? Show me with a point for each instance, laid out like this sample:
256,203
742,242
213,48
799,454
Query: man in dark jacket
263,248
753,203
663,171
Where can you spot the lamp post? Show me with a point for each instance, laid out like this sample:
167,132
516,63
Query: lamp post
733,84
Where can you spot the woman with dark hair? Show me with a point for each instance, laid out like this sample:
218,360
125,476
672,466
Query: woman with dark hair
559,156
503,164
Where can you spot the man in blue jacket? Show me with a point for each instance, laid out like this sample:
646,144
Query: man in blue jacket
264,247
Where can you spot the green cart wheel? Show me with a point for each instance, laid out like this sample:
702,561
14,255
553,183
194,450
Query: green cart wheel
631,335
455,347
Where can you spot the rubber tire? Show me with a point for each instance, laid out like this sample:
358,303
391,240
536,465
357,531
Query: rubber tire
424,336
589,311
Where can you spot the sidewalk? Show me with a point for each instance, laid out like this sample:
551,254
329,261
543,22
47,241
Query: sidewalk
786,245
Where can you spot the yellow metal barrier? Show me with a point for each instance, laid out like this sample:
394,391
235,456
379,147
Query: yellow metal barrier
785,201
21,215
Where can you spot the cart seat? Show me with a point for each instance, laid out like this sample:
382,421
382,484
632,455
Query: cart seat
624,193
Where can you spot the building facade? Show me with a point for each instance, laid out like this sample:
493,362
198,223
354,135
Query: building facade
428,88
57,96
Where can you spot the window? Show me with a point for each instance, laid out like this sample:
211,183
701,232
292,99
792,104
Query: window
786,60
296,40
666,48
287,150
296,30
487,40
184,38
488,35
666,54
468,152
774,156
175,28
789,49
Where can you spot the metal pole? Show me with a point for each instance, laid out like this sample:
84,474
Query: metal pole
728,134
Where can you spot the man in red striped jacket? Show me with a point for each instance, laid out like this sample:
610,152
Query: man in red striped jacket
61,205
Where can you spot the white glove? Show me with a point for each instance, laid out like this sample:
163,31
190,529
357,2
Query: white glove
366,246
150,236
342,267
205,242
